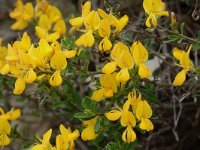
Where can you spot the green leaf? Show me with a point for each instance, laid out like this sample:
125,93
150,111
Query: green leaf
97,125
81,115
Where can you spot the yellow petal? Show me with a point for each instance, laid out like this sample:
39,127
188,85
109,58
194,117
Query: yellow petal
29,11
148,22
4,140
47,136
86,8
74,135
123,76
105,44
53,37
177,53
55,79
108,93
139,52
87,39
144,71
13,115
92,21
109,68
30,76
129,135
19,25
88,134
44,22
58,61
60,27
5,69
180,78
146,124
113,115
40,32
104,28
127,118
125,60
143,110
61,143
98,95
70,53
4,126
19,86
77,22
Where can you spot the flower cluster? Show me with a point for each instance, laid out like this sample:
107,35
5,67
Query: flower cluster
117,71
64,140
50,24
5,127
27,62
134,110
98,24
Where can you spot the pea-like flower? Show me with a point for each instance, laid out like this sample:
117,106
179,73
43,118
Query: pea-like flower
140,56
185,63
89,133
155,9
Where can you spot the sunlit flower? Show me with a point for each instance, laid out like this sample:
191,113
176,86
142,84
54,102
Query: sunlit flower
140,56
89,133
155,9
65,140
185,63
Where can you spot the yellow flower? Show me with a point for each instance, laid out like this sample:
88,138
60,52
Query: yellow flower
11,115
92,21
44,26
41,7
127,119
89,133
4,67
105,44
78,22
133,100
185,63
58,62
140,56
143,113
155,9
45,144
129,135
4,132
23,15
5,128
19,86
119,24
87,39
53,13
108,87
65,140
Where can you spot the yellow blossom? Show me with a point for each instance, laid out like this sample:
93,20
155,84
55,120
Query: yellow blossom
155,9
185,63
5,128
89,133
140,56
107,89
87,39
45,144
127,119
23,13
78,22
65,140
143,113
